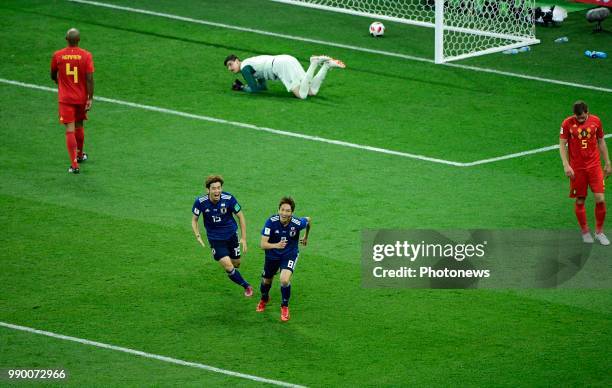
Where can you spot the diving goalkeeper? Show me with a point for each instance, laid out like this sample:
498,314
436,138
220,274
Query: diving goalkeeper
257,70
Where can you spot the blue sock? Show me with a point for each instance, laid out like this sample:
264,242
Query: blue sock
265,291
285,295
237,278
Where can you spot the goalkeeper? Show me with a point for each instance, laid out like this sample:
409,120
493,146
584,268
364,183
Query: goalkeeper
257,70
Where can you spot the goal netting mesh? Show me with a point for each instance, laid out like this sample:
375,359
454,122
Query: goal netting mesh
464,28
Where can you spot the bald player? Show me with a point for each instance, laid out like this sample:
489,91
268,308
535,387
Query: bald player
72,70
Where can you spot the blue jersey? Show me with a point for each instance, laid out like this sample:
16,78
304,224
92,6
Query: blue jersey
218,218
277,232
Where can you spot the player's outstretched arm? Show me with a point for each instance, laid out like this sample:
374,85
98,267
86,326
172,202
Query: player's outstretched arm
603,150
196,230
565,159
54,75
243,239
304,239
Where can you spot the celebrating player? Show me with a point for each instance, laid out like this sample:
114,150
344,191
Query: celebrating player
218,209
581,144
256,70
279,238
72,70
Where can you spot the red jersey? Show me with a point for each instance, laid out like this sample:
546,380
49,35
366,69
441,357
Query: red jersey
72,64
582,141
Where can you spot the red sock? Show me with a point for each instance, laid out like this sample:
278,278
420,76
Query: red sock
79,134
71,145
600,216
581,216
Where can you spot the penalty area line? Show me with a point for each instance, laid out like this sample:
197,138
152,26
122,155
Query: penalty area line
339,45
296,134
149,355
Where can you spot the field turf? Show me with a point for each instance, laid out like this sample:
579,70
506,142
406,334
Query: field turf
109,255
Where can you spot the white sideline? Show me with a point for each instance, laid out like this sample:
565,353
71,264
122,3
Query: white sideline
149,355
340,45
294,134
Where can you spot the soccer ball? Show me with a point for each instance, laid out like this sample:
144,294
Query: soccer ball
377,29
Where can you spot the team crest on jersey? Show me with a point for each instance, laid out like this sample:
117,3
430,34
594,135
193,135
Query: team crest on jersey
292,233
584,133
223,210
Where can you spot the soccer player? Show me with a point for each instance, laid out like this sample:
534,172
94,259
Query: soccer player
256,70
218,209
279,239
72,70
582,144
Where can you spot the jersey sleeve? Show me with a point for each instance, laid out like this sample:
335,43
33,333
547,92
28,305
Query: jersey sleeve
89,65
564,133
303,223
234,205
196,210
53,63
267,228
600,130
254,85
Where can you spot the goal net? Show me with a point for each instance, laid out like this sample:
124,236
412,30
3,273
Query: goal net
463,28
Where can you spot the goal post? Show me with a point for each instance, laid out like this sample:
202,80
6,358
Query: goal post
463,28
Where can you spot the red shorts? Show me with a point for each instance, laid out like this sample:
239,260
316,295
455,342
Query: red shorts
583,178
69,113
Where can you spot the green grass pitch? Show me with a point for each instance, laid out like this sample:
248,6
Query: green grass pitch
109,255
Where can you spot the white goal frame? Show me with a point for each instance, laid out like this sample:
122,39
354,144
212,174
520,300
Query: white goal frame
439,26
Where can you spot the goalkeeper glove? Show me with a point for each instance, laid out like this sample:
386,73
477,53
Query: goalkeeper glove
237,85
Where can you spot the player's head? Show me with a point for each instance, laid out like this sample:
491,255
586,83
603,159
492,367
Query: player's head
581,111
286,208
214,187
232,63
73,36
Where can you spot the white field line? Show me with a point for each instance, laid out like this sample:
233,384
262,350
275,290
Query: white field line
340,45
294,134
149,355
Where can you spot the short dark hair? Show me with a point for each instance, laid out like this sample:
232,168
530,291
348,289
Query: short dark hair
289,201
230,57
213,179
580,107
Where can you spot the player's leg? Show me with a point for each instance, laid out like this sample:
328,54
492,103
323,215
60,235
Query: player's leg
578,190
302,91
67,117
285,280
597,183
287,267
270,269
315,85
221,253
79,134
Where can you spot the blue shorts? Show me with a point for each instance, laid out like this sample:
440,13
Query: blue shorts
272,266
223,248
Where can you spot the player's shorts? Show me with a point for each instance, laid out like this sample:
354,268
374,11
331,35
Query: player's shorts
289,71
223,248
592,177
271,267
70,113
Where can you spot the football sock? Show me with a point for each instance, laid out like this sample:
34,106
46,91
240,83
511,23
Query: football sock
235,277
79,134
600,216
305,84
581,216
285,295
71,145
318,79
265,291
